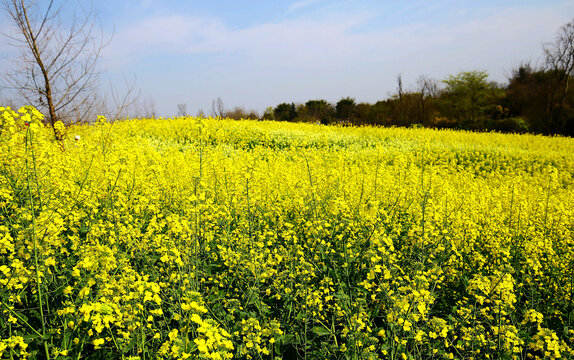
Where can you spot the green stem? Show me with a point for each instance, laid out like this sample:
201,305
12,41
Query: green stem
143,342
20,318
35,241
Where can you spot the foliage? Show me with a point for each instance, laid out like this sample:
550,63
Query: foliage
211,239
320,110
345,109
536,95
285,112
469,96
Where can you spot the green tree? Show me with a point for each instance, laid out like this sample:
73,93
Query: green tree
469,97
526,96
269,114
345,110
319,110
364,114
285,112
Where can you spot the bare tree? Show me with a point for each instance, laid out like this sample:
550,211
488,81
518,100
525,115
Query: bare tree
559,59
181,109
427,90
239,113
217,108
400,90
401,111
149,108
115,104
57,71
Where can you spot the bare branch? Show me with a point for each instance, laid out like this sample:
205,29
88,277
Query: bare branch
217,108
559,61
57,71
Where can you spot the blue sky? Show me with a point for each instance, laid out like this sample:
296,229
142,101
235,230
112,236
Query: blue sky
260,53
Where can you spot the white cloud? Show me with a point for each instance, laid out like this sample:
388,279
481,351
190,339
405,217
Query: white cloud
165,35
177,34
334,35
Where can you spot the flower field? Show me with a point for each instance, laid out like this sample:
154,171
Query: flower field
194,238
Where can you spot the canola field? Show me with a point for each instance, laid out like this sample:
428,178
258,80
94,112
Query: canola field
195,238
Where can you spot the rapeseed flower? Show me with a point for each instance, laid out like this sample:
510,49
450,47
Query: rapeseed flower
214,239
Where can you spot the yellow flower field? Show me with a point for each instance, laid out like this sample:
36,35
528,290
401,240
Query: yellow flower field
194,238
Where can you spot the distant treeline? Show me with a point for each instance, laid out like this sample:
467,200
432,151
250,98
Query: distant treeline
538,100
532,101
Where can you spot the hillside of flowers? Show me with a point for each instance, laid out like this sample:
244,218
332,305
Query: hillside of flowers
201,238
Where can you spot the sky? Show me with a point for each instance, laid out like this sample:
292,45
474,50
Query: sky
256,54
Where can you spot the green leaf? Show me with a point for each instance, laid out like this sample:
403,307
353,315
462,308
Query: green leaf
30,337
321,331
285,339
130,346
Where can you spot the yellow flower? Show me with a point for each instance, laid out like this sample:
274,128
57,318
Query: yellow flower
173,334
419,336
201,345
196,319
99,341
